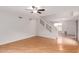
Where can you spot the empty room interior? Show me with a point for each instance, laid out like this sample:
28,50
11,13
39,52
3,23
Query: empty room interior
39,29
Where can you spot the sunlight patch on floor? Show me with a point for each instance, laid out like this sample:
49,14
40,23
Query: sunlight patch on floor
64,40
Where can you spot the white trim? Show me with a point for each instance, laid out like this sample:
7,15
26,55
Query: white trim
48,37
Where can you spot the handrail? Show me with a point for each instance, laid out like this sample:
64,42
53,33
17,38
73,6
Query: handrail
48,22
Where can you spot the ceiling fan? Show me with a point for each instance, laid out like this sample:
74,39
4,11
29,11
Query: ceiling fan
35,9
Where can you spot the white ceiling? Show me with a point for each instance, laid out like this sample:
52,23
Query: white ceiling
56,11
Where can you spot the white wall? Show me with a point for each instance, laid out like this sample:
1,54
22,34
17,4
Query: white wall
12,28
42,31
70,27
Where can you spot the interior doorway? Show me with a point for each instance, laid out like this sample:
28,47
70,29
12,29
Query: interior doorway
77,30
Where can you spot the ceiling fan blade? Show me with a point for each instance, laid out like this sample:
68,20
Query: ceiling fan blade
28,10
41,9
39,12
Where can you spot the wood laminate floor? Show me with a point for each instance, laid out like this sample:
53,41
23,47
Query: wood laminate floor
37,45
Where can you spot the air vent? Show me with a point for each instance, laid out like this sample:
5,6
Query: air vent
20,17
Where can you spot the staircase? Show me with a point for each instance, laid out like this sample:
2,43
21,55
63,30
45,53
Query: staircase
49,26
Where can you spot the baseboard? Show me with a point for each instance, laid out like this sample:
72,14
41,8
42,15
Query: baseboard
2,43
47,37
